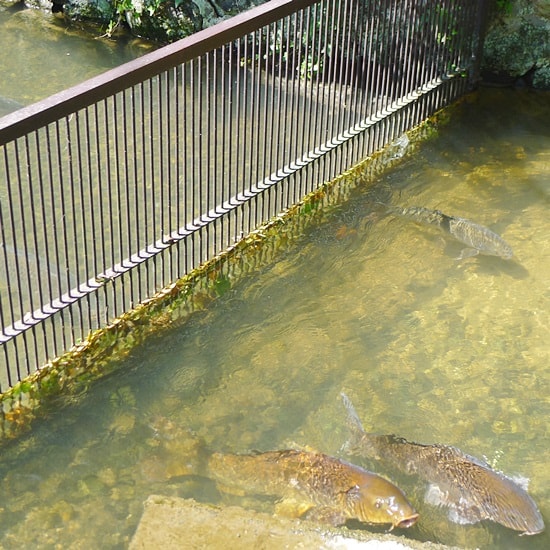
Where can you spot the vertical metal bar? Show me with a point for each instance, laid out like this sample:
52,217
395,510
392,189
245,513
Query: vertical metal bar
151,157
116,208
389,68
278,128
174,137
45,278
209,182
158,182
3,234
240,124
177,137
195,131
54,144
88,208
354,31
285,134
226,85
340,76
199,181
401,26
213,153
141,203
297,104
350,58
307,77
224,132
331,43
101,154
110,115
321,24
19,256
257,134
249,133
72,241
165,175
265,130
377,74
159,105
273,94
21,266
128,179
185,155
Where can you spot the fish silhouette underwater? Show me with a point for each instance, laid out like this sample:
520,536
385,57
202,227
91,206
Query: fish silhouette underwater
478,238
308,484
325,488
467,486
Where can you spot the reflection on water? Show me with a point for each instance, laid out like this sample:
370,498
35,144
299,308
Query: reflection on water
428,348
47,55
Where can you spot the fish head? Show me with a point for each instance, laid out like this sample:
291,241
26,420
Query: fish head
377,501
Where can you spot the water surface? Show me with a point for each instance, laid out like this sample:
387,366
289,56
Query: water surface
42,55
428,347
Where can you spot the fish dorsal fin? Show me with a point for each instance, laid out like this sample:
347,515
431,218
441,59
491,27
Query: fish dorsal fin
353,418
355,426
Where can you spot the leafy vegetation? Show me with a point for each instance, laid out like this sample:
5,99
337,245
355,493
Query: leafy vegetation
505,6
162,20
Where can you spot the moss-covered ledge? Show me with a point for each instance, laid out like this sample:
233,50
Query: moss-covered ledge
66,377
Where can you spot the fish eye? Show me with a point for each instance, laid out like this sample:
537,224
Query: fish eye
378,503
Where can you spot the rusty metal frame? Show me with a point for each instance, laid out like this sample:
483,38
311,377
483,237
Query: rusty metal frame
26,119
314,140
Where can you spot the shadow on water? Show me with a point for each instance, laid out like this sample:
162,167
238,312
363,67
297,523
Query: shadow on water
511,268
431,349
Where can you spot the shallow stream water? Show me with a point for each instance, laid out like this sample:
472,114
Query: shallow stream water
427,347
42,55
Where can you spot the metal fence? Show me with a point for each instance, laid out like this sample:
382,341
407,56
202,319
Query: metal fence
113,189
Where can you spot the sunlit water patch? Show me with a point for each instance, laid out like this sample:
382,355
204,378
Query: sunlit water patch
47,55
429,348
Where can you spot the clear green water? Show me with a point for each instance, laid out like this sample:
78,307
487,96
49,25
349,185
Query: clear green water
42,55
428,348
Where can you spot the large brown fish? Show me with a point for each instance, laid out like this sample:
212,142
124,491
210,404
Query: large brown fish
469,487
324,487
309,484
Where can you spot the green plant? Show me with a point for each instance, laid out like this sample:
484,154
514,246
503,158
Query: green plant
505,6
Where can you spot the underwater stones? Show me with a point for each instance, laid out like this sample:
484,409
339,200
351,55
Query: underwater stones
169,523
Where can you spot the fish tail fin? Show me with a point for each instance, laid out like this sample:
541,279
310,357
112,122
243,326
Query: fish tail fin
357,432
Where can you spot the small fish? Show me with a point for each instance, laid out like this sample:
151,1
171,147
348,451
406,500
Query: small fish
479,239
469,487
325,488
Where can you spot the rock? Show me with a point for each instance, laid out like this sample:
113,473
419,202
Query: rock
163,22
175,523
100,11
517,46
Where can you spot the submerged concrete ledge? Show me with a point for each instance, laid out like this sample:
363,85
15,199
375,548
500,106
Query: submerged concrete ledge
177,523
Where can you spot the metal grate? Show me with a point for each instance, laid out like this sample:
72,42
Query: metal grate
115,188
